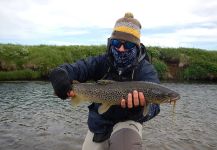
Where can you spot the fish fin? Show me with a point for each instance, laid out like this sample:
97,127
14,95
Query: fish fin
104,82
174,106
75,100
103,108
146,109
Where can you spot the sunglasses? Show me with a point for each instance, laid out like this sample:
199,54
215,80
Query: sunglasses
117,43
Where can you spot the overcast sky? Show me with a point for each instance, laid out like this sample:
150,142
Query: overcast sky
166,23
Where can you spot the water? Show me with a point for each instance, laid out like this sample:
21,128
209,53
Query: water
32,118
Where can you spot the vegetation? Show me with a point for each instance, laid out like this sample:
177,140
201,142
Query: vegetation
188,63
20,62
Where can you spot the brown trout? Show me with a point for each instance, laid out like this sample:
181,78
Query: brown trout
108,93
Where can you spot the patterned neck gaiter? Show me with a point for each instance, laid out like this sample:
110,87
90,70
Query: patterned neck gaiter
124,60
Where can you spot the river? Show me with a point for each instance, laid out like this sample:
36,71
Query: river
32,118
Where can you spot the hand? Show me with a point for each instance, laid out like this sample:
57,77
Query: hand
60,82
134,99
71,94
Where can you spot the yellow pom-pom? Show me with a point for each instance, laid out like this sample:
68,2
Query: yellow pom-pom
128,15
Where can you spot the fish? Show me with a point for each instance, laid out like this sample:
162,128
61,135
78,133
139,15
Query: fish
109,93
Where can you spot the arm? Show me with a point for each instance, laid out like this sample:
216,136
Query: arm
86,69
83,70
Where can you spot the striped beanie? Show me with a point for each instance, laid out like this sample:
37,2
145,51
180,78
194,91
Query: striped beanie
127,28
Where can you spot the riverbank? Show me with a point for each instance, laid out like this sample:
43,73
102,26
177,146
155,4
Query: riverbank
20,62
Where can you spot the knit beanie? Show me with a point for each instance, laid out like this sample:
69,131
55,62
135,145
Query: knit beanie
127,28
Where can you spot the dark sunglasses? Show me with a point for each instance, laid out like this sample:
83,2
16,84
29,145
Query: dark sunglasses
117,43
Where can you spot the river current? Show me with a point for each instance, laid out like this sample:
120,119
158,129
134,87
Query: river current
32,118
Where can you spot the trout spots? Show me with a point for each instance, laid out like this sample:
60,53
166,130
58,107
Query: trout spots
112,93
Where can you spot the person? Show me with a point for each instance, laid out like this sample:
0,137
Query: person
125,60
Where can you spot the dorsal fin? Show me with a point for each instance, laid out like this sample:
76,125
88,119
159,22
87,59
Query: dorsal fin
75,82
105,82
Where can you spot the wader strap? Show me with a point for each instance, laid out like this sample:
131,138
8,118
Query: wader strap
141,58
106,74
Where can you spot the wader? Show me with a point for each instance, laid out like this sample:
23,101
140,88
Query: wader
125,136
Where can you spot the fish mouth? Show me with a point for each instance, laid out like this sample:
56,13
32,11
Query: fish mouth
174,99
171,99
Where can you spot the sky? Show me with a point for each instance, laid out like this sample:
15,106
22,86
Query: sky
165,23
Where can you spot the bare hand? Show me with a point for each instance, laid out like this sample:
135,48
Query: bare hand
71,94
134,99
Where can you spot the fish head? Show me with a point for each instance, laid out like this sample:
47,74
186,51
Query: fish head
170,97
166,96
174,96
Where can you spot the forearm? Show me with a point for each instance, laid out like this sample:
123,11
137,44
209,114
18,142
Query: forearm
85,69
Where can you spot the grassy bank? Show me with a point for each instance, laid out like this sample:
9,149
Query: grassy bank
18,62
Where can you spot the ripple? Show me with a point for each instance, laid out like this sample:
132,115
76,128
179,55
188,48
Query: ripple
33,118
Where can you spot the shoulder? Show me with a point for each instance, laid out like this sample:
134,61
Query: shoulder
93,61
145,71
145,66
100,58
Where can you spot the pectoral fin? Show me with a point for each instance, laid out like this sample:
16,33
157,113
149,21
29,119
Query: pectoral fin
103,108
146,109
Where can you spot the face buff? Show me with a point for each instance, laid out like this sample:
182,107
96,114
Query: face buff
124,60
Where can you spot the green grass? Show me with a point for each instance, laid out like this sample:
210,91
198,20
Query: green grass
161,68
19,62
19,75
197,64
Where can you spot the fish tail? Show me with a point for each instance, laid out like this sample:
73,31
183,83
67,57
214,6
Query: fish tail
77,99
